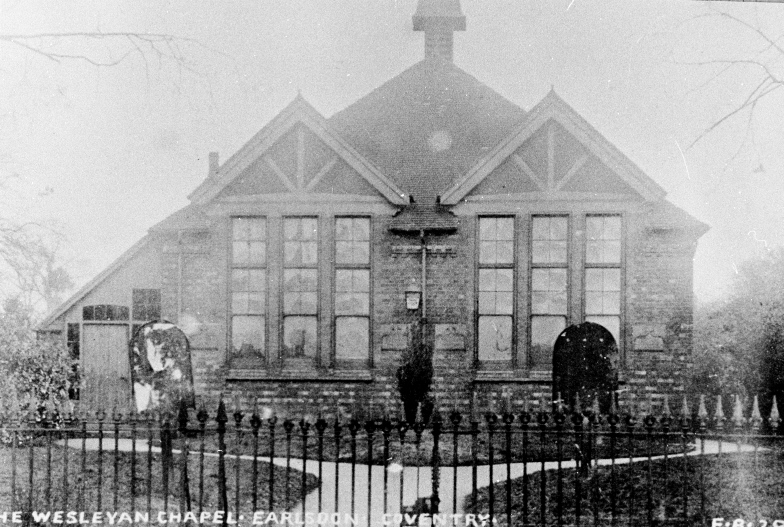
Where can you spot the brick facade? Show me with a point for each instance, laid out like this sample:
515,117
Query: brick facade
656,334
432,151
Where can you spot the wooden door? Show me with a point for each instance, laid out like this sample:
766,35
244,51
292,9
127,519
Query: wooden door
105,368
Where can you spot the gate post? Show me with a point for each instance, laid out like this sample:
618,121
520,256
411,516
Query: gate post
222,418
436,462
182,428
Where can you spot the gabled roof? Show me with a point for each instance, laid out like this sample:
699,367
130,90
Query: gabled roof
95,282
553,107
298,111
427,126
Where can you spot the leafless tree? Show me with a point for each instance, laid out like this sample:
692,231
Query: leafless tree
30,264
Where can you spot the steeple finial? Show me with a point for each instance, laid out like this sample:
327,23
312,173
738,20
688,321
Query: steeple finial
439,19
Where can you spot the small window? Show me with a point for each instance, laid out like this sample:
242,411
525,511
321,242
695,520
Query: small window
72,341
352,241
249,242
352,311
603,299
300,246
496,240
548,240
299,336
105,313
300,291
603,244
146,304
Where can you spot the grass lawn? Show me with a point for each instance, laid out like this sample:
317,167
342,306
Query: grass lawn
735,486
533,449
82,489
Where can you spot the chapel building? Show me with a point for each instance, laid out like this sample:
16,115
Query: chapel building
431,212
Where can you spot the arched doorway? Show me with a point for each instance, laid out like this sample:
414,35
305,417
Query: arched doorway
585,362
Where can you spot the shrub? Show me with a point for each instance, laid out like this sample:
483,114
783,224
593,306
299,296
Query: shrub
34,372
414,378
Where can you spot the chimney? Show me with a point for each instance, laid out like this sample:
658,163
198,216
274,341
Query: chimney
214,163
439,19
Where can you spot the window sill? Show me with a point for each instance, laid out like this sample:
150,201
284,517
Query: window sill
236,374
513,376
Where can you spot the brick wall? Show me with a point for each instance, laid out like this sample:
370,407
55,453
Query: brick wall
659,308
657,323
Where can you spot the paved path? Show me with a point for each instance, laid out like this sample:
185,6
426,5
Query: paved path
416,482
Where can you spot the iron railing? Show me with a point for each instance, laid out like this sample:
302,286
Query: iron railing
533,465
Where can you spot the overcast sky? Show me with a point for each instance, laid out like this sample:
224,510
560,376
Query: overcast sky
106,152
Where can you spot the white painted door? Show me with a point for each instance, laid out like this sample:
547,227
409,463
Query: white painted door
105,367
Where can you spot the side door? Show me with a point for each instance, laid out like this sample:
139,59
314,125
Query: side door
105,367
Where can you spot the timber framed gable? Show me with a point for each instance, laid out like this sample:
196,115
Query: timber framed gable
554,154
297,153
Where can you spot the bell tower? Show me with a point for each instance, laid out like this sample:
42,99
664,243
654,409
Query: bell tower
439,19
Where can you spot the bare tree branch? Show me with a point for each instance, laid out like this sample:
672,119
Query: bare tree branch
145,46
751,102
772,43
770,80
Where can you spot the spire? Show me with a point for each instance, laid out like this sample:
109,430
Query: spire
439,19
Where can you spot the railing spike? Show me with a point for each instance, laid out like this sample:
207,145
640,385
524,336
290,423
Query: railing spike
685,411
719,415
595,407
774,414
756,416
702,413
737,413
221,416
666,406
578,406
